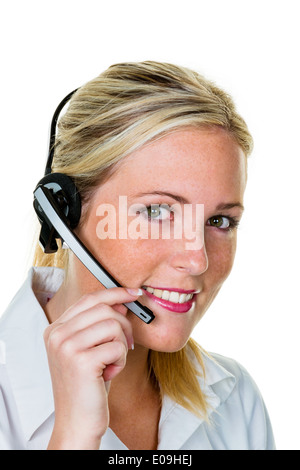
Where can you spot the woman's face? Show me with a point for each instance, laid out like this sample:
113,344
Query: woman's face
204,168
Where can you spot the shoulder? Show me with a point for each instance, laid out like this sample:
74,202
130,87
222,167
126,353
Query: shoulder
223,370
223,376
244,383
241,401
233,367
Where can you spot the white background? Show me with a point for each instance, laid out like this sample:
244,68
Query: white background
250,48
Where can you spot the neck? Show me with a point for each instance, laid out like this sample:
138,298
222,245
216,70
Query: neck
134,403
134,378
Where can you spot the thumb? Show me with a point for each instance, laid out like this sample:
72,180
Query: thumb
120,308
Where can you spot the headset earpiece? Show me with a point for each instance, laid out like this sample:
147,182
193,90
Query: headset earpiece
64,196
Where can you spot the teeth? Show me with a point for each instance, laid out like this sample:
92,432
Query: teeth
165,295
174,297
171,296
157,293
183,298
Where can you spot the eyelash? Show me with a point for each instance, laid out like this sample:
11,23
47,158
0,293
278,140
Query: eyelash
233,221
154,206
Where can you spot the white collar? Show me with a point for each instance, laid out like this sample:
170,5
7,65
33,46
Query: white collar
22,328
217,387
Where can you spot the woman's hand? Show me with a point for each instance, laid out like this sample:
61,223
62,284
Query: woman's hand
87,347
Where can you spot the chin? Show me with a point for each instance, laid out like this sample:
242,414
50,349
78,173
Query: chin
170,349
161,337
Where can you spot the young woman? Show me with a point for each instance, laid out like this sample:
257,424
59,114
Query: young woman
78,369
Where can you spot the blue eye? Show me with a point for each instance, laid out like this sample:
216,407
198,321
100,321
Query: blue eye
159,211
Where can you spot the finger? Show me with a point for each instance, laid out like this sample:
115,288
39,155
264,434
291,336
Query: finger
106,331
107,360
90,319
121,309
113,296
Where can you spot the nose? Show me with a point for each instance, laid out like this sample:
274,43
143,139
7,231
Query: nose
193,262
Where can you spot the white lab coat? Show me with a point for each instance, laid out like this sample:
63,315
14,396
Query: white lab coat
239,419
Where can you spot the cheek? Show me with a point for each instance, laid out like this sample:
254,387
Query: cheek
130,261
221,255
123,258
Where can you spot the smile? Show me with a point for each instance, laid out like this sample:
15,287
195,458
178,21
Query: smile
171,296
173,300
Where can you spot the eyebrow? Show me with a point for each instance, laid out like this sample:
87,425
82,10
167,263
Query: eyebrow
177,197
230,205
183,200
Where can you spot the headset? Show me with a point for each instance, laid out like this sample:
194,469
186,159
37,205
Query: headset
57,204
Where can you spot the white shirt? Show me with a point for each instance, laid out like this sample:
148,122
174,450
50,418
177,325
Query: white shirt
239,419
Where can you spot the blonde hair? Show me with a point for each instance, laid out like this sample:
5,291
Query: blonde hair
127,106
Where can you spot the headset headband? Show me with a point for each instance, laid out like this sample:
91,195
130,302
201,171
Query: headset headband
53,131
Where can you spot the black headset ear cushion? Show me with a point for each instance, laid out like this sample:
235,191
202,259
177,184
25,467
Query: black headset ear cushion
64,183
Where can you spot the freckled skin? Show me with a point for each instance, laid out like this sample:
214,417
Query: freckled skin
206,167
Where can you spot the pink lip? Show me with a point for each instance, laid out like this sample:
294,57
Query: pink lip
171,306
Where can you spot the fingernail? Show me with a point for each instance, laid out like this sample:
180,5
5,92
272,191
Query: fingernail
135,291
131,343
